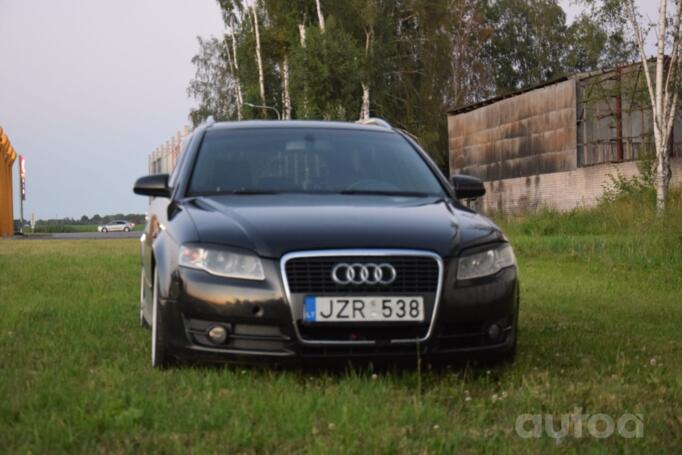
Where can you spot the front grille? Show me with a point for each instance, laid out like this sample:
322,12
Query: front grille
415,274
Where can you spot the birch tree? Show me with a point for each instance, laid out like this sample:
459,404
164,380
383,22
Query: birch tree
232,12
234,66
320,16
280,36
367,13
213,83
663,86
259,57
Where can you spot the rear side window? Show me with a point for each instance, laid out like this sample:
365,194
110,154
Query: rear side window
309,160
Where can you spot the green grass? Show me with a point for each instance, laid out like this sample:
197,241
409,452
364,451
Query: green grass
601,331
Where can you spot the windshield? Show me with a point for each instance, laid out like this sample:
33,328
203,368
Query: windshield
310,160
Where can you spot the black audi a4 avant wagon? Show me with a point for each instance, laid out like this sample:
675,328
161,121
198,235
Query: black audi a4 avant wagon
316,241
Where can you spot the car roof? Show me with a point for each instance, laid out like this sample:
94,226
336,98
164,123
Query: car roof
254,124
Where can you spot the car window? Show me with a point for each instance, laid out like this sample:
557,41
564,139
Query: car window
309,160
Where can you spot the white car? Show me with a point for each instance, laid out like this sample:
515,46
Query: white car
116,225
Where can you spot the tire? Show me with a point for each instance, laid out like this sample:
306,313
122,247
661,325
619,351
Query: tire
143,322
126,229
160,356
105,230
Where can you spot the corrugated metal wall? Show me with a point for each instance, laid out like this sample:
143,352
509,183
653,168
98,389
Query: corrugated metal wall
614,117
584,120
530,133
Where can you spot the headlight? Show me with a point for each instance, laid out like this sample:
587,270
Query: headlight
222,262
485,263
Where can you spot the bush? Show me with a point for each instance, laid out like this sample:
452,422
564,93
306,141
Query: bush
638,187
630,211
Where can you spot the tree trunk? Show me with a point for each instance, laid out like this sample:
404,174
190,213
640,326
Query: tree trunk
259,60
301,32
230,62
660,135
286,98
240,98
364,111
663,90
320,16
303,111
663,175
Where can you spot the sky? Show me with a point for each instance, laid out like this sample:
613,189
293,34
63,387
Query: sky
89,88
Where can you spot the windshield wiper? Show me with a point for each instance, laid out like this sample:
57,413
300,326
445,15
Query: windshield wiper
252,191
386,193
239,191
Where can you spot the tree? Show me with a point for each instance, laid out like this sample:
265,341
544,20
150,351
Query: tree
600,37
528,43
320,16
405,60
282,32
531,43
325,75
231,18
366,12
663,86
259,58
214,83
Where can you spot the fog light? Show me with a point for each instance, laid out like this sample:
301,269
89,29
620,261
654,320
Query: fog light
217,334
494,332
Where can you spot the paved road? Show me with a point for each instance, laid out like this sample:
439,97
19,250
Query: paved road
81,236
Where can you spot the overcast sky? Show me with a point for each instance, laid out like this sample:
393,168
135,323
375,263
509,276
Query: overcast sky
88,88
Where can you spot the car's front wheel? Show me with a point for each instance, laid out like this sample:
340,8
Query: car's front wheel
161,358
105,230
126,229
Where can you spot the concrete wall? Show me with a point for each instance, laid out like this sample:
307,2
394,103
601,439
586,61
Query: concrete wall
559,190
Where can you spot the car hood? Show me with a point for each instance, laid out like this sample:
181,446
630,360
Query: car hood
272,225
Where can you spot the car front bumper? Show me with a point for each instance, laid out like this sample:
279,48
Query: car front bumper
261,326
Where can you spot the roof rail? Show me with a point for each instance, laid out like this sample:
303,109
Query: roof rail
208,122
375,122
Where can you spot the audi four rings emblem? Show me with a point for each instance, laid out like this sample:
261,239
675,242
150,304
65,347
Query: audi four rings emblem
357,273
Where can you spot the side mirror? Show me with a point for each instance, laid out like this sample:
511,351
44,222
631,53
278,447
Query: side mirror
152,185
467,187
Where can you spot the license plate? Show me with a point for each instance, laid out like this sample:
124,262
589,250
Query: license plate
351,309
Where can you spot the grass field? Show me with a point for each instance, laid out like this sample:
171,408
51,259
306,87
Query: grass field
601,332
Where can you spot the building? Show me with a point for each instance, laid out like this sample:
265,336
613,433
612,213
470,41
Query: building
165,157
7,157
556,144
